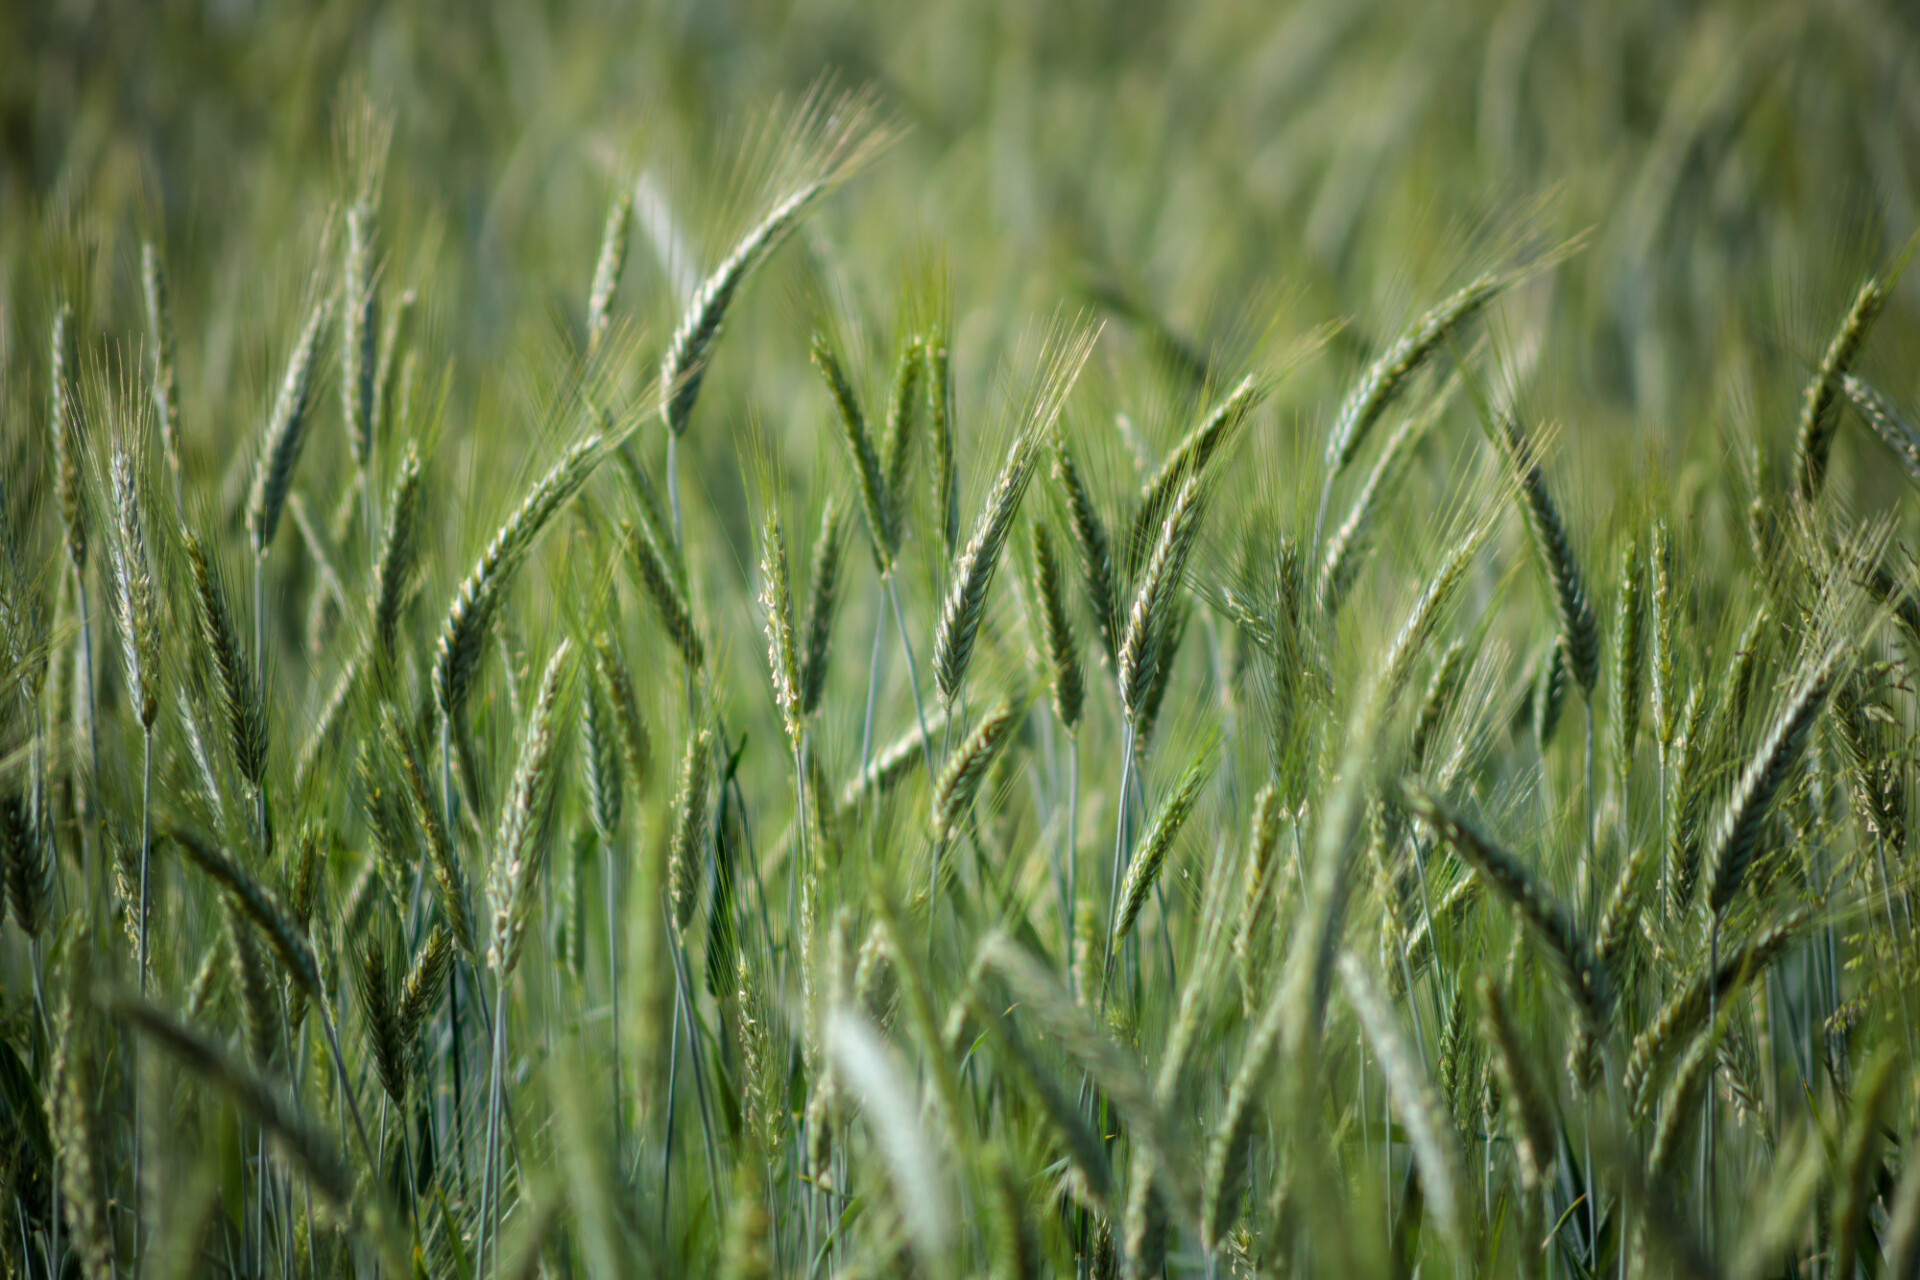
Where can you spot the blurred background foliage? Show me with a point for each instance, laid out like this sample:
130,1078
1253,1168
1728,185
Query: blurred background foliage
1206,173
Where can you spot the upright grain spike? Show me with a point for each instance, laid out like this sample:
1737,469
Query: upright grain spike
776,603
1056,632
1142,648
1578,626
399,554
1629,629
241,697
1736,835
1097,574
1189,458
946,492
823,599
359,331
166,387
607,268
67,426
691,809
521,849
966,601
286,432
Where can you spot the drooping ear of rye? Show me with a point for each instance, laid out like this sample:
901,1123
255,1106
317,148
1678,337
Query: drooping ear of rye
470,617
1819,417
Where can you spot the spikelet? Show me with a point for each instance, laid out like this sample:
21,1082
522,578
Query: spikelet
1443,687
1387,376
600,757
1629,629
776,602
1189,458
1428,1132
1578,627
392,389
973,572
294,1133
607,268
842,135
1257,893
685,365
1056,632
374,985
1735,835
1347,548
1894,431
1145,1226
823,600
76,1133
1549,694
28,863
68,429
1618,922
133,592
1143,872
869,474
1086,1156
890,765
522,847
744,1251
1530,1117
425,982
399,553
658,581
1424,619
1679,1114
1224,1182
1856,1165
1143,649
289,940
896,443
1662,689
1676,1022
240,694
1543,912
691,808
470,617
448,879
286,432
1096,555
636,745
359,331
960,780
166,387
763,1089
946,492
1818,416
1042,998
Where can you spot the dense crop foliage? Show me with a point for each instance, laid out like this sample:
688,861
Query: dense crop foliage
958,641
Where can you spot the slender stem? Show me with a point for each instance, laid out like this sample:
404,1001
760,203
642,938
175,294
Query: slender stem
98,861
913,674
1073,862
146,904
1119,862
873,694
673,483
613,994
673,1080
490,1167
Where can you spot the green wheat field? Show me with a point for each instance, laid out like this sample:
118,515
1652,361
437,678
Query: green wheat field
962,639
